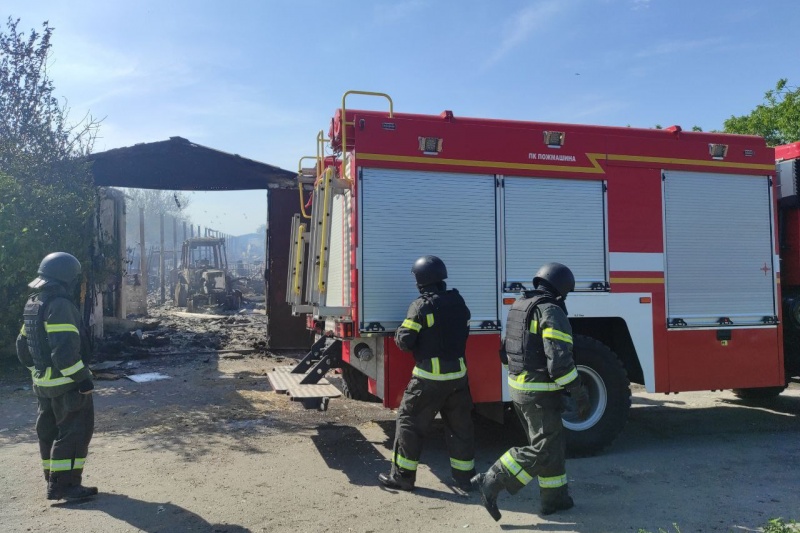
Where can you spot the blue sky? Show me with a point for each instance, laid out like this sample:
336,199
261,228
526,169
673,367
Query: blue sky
261,78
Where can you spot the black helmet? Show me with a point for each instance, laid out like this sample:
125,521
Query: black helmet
559,277
428,270
58,266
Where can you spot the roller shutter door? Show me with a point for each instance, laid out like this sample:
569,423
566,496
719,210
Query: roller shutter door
555,220
407,214
718,230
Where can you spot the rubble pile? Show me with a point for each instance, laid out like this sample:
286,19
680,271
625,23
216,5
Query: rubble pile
170,330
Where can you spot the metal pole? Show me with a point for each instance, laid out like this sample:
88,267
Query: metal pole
142,259
161,262
184,230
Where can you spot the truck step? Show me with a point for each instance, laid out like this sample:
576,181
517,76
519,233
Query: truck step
283,381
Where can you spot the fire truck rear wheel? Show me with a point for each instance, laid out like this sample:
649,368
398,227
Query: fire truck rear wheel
609,390
759,393
355,386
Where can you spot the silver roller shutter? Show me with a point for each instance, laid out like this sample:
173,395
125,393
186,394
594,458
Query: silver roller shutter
555,220
718,230
406,214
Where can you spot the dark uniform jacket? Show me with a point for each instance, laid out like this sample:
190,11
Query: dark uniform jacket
436,328
538,345
49,343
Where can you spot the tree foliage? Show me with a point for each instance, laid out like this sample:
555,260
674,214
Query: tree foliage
777,119
46,190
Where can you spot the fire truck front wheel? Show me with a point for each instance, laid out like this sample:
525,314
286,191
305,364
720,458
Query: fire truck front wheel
609,390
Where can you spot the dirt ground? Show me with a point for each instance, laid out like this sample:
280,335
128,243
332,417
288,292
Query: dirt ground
213,449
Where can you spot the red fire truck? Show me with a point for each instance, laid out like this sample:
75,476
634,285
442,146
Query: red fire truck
673,237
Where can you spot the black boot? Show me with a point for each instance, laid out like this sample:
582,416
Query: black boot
488,488
61,487
555,500
396,481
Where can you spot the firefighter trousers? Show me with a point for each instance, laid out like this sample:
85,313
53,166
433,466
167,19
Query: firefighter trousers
544,456
65,425
422,399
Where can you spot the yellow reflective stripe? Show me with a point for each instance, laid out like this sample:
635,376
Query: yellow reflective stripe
406,464
441,377
515,469
429,319
46,464
569,377
464,466
60,328
536,386
550,333
61,465
534,326
47,381
79,462
435,366
22,331
553,482
410,324
74,368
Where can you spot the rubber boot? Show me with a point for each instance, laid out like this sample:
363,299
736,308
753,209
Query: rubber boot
396,481
554,500
488,488
62,487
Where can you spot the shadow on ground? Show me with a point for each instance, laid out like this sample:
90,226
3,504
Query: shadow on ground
152,517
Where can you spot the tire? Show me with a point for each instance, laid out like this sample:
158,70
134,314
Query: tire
355,386
609,390
759,393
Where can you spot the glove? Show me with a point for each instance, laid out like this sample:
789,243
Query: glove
581,399
86,386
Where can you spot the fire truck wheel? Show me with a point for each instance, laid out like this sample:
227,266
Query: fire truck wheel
354,385
609,390
759,393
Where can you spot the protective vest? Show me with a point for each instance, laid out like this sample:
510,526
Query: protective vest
33,317
445,328
523,342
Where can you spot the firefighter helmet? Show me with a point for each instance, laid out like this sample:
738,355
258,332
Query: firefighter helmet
428,270
558,276
58,266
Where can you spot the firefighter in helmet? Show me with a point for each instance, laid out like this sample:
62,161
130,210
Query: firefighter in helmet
435,331
50,345
538,351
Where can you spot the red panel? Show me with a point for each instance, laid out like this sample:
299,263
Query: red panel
635,221
787,151
483,364
484,368
698,361
397,366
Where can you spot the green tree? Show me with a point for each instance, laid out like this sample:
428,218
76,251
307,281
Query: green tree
46,190
777,119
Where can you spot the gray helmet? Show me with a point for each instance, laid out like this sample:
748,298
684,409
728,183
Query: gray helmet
428,270
558,276
58,266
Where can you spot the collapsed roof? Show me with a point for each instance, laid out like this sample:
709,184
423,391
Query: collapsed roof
179,164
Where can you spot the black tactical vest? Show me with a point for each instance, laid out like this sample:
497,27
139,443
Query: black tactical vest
36,335
446,338
525,349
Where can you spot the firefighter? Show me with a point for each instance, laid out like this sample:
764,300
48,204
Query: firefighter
435,331
538,351
50,345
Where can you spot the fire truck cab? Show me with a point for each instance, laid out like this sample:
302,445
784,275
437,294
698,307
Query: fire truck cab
672,237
